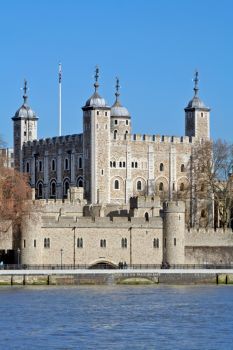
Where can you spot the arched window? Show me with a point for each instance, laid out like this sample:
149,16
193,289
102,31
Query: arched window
161,167
53,189
40,190
116,185
110,164
27,167
53,165
136,164
120,164
40,165
161,186
66,164
103,243
182,168
115,134
203,213
147,216
114,164
80,182
182,186
80,162
139,185
66,186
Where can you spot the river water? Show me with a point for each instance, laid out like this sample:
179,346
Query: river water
117,317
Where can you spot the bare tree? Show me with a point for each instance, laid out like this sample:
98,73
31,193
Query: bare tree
210,173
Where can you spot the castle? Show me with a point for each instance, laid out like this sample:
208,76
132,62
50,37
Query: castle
99,193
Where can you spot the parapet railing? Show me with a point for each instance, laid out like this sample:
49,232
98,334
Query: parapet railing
121,266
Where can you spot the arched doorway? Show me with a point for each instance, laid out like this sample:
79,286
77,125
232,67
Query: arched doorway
103,265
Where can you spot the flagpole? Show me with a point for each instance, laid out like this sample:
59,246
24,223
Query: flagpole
59,79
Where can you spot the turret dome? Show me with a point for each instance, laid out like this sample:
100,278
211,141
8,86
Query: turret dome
117,110
25,111
96,100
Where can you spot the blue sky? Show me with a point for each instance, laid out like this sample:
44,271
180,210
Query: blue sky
153,46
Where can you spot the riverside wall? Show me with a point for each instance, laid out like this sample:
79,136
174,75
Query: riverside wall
117,277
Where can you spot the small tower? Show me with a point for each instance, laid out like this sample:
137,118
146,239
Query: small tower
197,116
96,147
120,118
25,128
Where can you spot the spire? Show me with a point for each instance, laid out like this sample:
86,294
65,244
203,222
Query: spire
196,80
117,93
96,84
25,89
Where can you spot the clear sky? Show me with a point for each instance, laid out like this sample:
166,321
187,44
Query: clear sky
154,46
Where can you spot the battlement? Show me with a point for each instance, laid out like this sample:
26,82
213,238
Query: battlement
144,202
174,207
57,140
209,231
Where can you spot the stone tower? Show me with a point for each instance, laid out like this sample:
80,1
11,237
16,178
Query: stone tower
120,118
96,147
25,129
197,116
173,232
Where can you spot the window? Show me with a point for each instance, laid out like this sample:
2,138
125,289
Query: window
114,164
173,187
146,216
126,122
110,164
120,164
80,162
174,241
66,186
123,164
40,190
161,167
136,164
106,113
203,213
115,134
25,133
40,165
80,182
116,185
182,168
132,164
139,186
53,189
66,165
103,243
97,112
46,242
161,186
182,187
124,243
156,243
102,172
202,114
115,122
79,243
27,167
34,243
53,165
24,243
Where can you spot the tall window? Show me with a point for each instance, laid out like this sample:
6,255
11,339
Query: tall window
147,216
80,162
53,165
40,190
79,243
161,167
156,243
182,168
53,189
27,167
66,186
80,182
116,185
66,164
139,185
40,165
161,186
46,242
115,134
124,243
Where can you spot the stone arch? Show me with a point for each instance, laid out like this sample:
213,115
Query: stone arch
103,264
120,181
139,185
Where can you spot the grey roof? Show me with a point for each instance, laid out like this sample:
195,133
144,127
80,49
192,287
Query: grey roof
96,101
25,112
196,102
118,110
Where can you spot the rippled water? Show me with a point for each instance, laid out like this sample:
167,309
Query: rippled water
150,317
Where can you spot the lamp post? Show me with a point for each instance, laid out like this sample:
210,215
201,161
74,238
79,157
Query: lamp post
18,256
74,257
61,257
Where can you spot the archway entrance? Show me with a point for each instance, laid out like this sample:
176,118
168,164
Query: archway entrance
103,265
